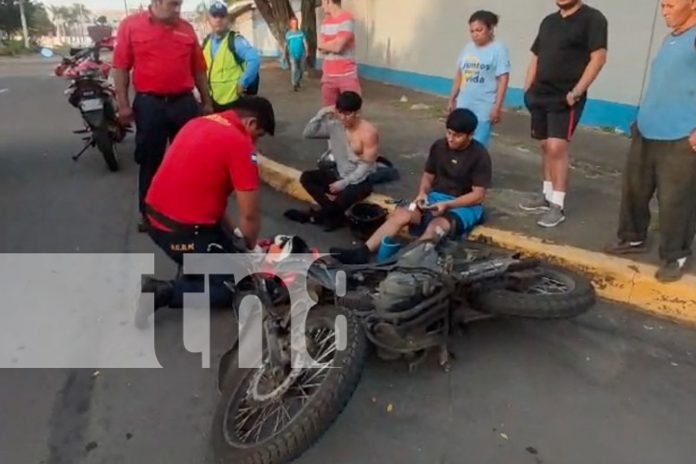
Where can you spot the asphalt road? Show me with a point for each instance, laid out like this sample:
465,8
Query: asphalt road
610,387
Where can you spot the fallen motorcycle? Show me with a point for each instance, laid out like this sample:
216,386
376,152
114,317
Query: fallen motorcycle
406,307
91,93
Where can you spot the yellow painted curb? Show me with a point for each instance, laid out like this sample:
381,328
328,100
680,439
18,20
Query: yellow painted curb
616,279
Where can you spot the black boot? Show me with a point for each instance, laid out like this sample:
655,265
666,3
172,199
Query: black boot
162,291
351,255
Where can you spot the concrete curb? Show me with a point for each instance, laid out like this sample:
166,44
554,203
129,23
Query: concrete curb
616,279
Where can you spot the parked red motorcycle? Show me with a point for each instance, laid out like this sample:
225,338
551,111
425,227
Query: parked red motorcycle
93,95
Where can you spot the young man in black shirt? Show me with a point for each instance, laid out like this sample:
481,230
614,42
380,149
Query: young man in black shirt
457,175
568,54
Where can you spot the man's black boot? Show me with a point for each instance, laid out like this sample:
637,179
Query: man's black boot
351,255
162,291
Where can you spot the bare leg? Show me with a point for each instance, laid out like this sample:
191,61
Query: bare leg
558,155
396,221
438,223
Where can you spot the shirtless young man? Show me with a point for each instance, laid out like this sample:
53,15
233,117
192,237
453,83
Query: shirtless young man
354,146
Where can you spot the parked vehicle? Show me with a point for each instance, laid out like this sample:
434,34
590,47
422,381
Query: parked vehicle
407,307
93,95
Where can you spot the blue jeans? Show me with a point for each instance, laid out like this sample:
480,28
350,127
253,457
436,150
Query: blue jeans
296,70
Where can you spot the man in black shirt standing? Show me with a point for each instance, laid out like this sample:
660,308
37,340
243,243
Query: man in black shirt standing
568,54
457,175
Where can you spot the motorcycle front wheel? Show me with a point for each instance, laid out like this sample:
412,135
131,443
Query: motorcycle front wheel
263,418
106,146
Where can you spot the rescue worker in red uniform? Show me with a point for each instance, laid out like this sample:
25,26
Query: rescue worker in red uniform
186,204
166,61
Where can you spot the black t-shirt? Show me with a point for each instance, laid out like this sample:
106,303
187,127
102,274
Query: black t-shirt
457,172
564,45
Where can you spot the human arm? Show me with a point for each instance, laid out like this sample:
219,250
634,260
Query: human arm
597,45
319,126
531,72
123,63
692,140
248,205
199,68
457,84
481,177
502,73
370,152
344,36
251,58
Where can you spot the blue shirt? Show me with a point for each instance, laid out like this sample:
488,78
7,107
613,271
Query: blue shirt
246,52
481,67
295,40
668,110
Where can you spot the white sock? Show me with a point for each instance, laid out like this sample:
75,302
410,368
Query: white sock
558,198
681,261
548,190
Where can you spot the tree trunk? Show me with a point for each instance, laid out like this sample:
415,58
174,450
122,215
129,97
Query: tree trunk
277,14
25,29
309,27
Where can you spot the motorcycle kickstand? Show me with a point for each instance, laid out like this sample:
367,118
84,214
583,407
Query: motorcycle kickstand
90,143
445,357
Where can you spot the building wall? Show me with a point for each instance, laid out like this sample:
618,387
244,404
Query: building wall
417,46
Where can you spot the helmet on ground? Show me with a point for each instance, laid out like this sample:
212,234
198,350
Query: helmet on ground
365,218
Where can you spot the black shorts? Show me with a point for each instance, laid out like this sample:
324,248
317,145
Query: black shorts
552,118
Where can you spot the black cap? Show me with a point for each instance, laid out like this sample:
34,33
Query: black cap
218,9
258,107
462,121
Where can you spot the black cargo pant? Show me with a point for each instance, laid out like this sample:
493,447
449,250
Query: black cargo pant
177,244
317,183
158,119
670,169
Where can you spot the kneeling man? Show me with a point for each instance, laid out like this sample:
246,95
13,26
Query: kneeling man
457,174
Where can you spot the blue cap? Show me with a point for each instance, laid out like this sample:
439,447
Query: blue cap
218,9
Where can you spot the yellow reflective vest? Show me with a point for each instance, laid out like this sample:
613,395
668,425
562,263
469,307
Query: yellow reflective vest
224,73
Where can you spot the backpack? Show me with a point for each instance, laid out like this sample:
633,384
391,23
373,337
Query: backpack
253,89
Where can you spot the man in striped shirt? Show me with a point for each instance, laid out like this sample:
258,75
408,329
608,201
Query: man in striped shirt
337,43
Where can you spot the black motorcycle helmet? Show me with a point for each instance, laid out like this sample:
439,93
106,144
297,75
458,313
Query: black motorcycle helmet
365,218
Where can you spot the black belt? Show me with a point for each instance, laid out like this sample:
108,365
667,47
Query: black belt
168,98
180,227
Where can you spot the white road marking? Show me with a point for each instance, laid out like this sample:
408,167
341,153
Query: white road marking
3,91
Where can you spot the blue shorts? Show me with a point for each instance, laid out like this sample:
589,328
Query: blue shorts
465,218
483,133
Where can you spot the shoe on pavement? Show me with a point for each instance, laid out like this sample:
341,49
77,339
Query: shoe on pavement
143,225
536,205
625,247
670,271
553,217
162,291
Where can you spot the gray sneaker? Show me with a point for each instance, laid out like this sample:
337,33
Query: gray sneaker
537,204
552,217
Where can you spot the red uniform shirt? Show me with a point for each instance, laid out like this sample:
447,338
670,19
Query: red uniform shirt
211,157
164,57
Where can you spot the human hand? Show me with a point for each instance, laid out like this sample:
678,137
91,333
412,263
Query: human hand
439,209
496,115
692,141
207,108
570,98
125,114
451,105
241,90
336,187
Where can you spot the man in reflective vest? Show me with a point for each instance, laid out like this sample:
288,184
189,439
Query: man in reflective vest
233,64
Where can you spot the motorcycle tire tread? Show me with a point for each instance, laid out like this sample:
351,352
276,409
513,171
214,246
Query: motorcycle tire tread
503,302
323,410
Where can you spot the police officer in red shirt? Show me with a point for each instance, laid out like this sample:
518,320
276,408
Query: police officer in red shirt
167,62
211,157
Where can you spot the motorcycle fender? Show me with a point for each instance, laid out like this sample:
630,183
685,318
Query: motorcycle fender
94,118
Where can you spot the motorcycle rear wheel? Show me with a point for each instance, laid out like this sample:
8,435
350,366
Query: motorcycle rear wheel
107,147
545,292
248,430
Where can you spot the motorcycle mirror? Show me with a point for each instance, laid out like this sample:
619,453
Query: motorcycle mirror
47,53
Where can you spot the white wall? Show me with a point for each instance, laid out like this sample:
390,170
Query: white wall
425,36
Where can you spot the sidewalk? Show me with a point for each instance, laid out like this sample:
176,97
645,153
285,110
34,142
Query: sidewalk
406,132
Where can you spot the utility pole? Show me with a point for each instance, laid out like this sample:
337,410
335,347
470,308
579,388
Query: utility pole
25,29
